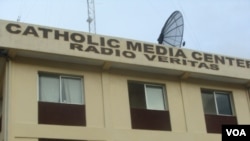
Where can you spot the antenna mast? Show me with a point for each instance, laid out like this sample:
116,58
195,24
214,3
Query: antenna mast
91,16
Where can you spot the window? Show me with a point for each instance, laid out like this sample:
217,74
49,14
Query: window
148,106
218,109
61,89
217,102
61,100
147,96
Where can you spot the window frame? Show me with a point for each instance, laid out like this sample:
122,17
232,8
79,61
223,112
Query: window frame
217,92
60,76
163,94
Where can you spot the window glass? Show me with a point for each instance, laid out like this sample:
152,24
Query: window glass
60,89
49,88
136,95
223,104
155,98
72,90
208,103
216,102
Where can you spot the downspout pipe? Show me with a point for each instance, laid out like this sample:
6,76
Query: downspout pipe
6,92
248,97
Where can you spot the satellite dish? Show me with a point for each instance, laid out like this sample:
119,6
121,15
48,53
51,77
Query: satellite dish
172,31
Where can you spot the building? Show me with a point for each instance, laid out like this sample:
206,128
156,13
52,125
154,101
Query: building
58,84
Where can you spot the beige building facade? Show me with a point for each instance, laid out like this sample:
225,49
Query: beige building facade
59,84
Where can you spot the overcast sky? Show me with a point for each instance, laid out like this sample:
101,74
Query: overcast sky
214,26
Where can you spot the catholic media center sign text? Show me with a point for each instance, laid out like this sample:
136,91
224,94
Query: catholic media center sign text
129,49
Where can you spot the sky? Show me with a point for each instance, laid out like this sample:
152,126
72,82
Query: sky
212,26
